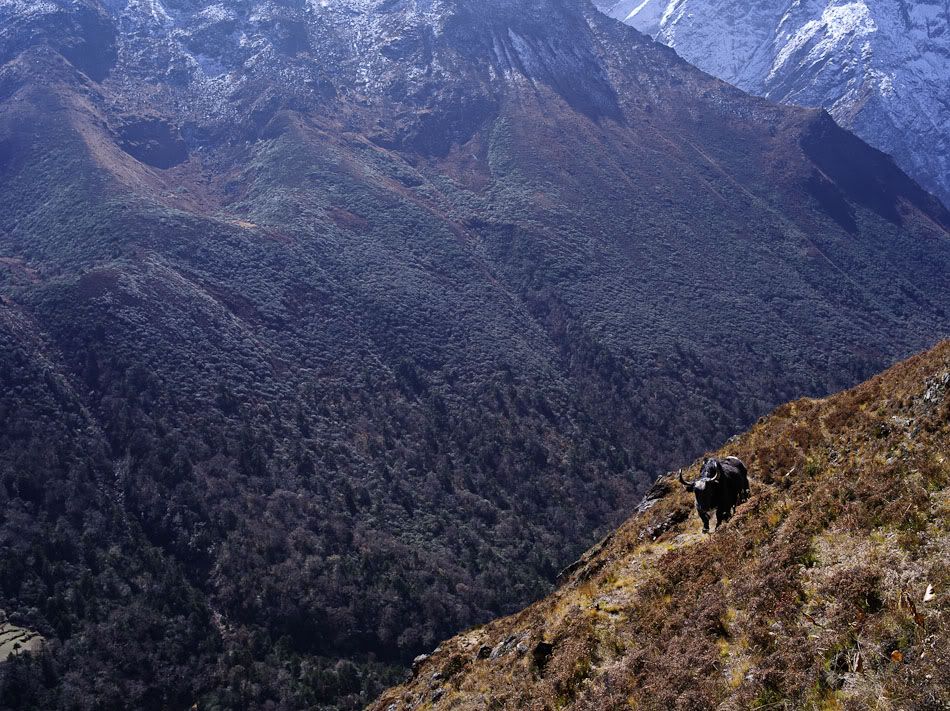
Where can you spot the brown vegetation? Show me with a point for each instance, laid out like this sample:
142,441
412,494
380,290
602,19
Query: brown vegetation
827,591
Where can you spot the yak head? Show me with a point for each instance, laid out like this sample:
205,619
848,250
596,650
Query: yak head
708,476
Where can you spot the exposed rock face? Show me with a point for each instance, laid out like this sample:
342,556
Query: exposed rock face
343,326
880,67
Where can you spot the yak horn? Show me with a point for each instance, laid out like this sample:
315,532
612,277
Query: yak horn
718,472
685,483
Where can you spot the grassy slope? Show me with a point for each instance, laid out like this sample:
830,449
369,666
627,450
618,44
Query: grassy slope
812,597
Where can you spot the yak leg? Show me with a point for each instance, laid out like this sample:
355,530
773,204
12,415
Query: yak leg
705,517
722,515
743,493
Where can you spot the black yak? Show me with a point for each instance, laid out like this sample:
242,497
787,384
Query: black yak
722,485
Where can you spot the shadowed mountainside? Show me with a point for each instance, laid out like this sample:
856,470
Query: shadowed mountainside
330,330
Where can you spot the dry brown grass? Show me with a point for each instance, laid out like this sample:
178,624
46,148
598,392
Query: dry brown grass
812,597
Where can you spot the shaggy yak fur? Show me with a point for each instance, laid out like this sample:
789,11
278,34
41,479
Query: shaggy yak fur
723,484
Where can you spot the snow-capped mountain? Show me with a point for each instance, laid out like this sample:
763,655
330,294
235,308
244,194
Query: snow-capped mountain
881,67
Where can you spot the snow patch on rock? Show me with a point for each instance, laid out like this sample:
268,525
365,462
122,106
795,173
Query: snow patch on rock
837,24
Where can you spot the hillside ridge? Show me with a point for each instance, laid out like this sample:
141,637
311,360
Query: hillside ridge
829,589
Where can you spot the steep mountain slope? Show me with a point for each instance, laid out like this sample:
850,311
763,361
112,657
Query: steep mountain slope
829,589
881,68
331,329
